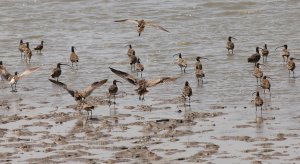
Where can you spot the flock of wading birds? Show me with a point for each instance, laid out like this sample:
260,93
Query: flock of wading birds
135,64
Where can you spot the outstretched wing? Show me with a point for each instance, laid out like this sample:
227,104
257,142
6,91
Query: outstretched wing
63,85
128,20
156,26
151,83
125,76
28,72
89,89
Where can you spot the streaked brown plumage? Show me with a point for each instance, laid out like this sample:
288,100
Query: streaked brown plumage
257,72
13,79
22,47
187,92
265,52
255,57
2,71
73,56
142,84
141,24
284,53
112,90
291,66
198,62
132,60
182,63
199,74
80,95
87,107
139,68
56,72
265,84
230,44
27,53
39,47
130,50
258,101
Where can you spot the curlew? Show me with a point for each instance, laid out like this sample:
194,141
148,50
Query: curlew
199,74
39,47
142,84
27,53
73,56
187,92
257,72
22,47
139,68
265,84
265,52
13,79
285,53
254,58
130,50
230,44
291,66
112,90
141,24
56,72
182,63
80,95
258,101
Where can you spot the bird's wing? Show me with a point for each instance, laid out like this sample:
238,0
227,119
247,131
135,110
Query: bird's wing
156,26
28,71
89,89
151,83
125,76
128,20
63,85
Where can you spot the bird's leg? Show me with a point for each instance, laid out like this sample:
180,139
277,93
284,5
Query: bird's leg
141,74
257,81
189,101
12,89
293,74
139,97
270,92
184,69
91,114
114,98
289,73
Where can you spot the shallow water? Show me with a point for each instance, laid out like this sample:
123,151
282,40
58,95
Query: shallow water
196,28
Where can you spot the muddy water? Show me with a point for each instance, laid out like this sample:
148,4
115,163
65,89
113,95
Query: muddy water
38,122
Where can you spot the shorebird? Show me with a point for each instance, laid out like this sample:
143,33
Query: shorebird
265,52
132,60
22,47
80,95
139,68
39,47
13,79
56,72
112,90
187,92
285,53
73,56
181,62
291,66
87,107
198,62
130,50
199,73
27,53
230,44
141,24
2,71
258,101
265,84
255,57
257,72
142,84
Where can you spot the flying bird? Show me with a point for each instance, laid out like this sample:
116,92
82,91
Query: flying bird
141,24
13,79
142,84
80,95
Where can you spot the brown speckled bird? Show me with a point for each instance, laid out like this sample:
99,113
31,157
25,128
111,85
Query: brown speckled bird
265,84
139,67
141,24
80,95
230,44
187,92
142,84
112,90
73,56
39,47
